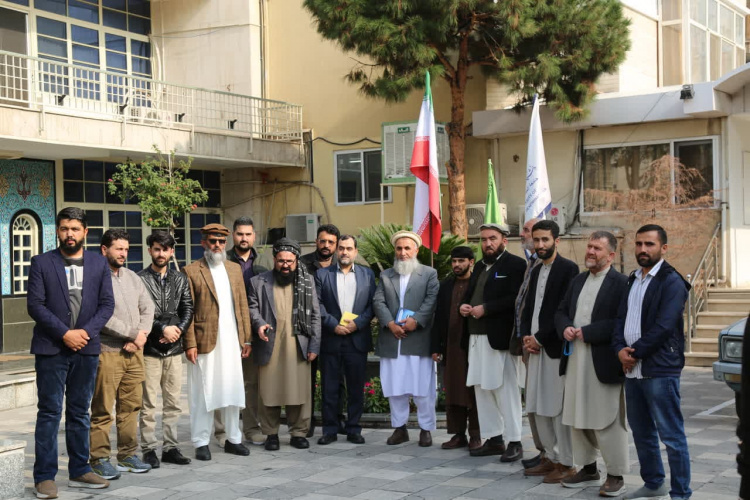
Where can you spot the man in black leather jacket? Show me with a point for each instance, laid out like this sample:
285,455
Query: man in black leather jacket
163,350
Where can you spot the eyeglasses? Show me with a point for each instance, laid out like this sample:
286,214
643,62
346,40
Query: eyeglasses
286,262
214,241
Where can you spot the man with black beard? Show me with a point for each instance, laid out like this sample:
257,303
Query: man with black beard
286,338
215,343
69,312
447,330
326,243
489,311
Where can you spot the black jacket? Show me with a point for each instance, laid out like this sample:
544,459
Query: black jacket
257,268
443,310
661,347
499,299
172,298
598,333
743,426
562,273
312,264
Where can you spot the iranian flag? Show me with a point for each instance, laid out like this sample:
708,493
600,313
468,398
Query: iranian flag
424,166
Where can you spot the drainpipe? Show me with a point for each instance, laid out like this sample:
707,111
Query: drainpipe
724,200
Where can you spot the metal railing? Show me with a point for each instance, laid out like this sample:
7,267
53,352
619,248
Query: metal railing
36,83
706,275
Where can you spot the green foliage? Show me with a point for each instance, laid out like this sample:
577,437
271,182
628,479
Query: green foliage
557,48
375,247
375,402
160,187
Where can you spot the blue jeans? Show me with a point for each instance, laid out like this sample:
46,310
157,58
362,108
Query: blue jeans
73,376
653,406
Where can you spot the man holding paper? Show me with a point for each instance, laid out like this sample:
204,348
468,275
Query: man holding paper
345,292
404,303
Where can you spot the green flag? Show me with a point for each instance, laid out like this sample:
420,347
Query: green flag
492,213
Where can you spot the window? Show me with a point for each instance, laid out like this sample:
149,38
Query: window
84,184
612,174
25,237
358,177
210,181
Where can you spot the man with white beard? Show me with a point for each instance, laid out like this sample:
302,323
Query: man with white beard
215,342
404,303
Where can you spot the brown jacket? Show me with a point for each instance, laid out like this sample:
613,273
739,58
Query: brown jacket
204,329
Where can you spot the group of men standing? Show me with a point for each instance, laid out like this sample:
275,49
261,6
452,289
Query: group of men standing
582,345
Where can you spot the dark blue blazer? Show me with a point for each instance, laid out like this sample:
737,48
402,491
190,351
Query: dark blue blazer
330,312
48,302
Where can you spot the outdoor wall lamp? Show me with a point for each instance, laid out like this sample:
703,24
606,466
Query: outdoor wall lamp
61,99
687,92
180,116
231,124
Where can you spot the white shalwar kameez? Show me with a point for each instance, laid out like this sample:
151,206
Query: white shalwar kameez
409,375
215,381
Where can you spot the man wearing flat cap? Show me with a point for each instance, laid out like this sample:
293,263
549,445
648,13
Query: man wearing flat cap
286,336
215,343
404,303
489,311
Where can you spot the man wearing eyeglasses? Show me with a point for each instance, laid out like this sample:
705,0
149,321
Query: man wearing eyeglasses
215,343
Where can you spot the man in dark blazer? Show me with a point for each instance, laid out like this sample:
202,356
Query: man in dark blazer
344,288
593,406
489,309
70,298
548,283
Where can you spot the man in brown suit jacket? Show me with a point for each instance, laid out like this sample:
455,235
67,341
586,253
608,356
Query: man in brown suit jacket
215,342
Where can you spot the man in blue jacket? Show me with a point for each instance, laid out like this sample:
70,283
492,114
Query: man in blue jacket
70,299
649,341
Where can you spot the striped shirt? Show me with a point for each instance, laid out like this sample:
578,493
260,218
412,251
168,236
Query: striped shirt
633,319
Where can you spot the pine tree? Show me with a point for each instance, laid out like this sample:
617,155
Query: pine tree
556,48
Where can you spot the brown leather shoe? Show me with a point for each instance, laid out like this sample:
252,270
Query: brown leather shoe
489,448
425,438
457,441
400,435
561,472
544,468
474,443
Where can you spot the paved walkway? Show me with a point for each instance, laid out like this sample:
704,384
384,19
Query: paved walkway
378,471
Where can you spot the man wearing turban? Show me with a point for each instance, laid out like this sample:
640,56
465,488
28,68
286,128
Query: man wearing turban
285,316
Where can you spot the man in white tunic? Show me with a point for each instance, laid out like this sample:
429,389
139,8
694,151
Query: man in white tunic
404,303
548,283
489,309
594,404
215,343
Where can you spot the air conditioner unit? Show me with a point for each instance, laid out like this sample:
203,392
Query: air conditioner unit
557,213
475,217
302,227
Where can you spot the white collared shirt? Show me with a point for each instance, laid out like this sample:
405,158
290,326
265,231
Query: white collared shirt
346,288
633,319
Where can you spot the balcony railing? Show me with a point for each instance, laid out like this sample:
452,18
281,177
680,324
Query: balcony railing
36,83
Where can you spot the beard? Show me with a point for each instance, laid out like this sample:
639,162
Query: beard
114,263
283,279
70,250
243,245
405,267
528,245
597,264
461,272
215,258
324,254
490,256
545,253
644,260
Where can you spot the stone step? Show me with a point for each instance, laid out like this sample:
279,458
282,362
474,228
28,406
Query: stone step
708,331
729,293
700,358
17,389
710,345
719,318
731,305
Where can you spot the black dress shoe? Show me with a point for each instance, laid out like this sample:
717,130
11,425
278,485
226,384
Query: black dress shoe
327,439
355,438
342,425
150,458
513,452
174,456
272,442
236,449
299,442
532,462
202,453
492,446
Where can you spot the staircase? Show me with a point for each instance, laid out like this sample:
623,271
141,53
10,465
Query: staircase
722,307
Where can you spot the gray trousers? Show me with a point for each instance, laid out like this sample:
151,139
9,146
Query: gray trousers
612,441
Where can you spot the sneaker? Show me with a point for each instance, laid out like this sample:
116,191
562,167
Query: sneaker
614,486
174,456
104,469
582,479
644,492
150,458
46,489
89,480
133,464
560,473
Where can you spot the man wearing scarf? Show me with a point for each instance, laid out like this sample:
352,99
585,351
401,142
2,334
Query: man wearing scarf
285,316
215,343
